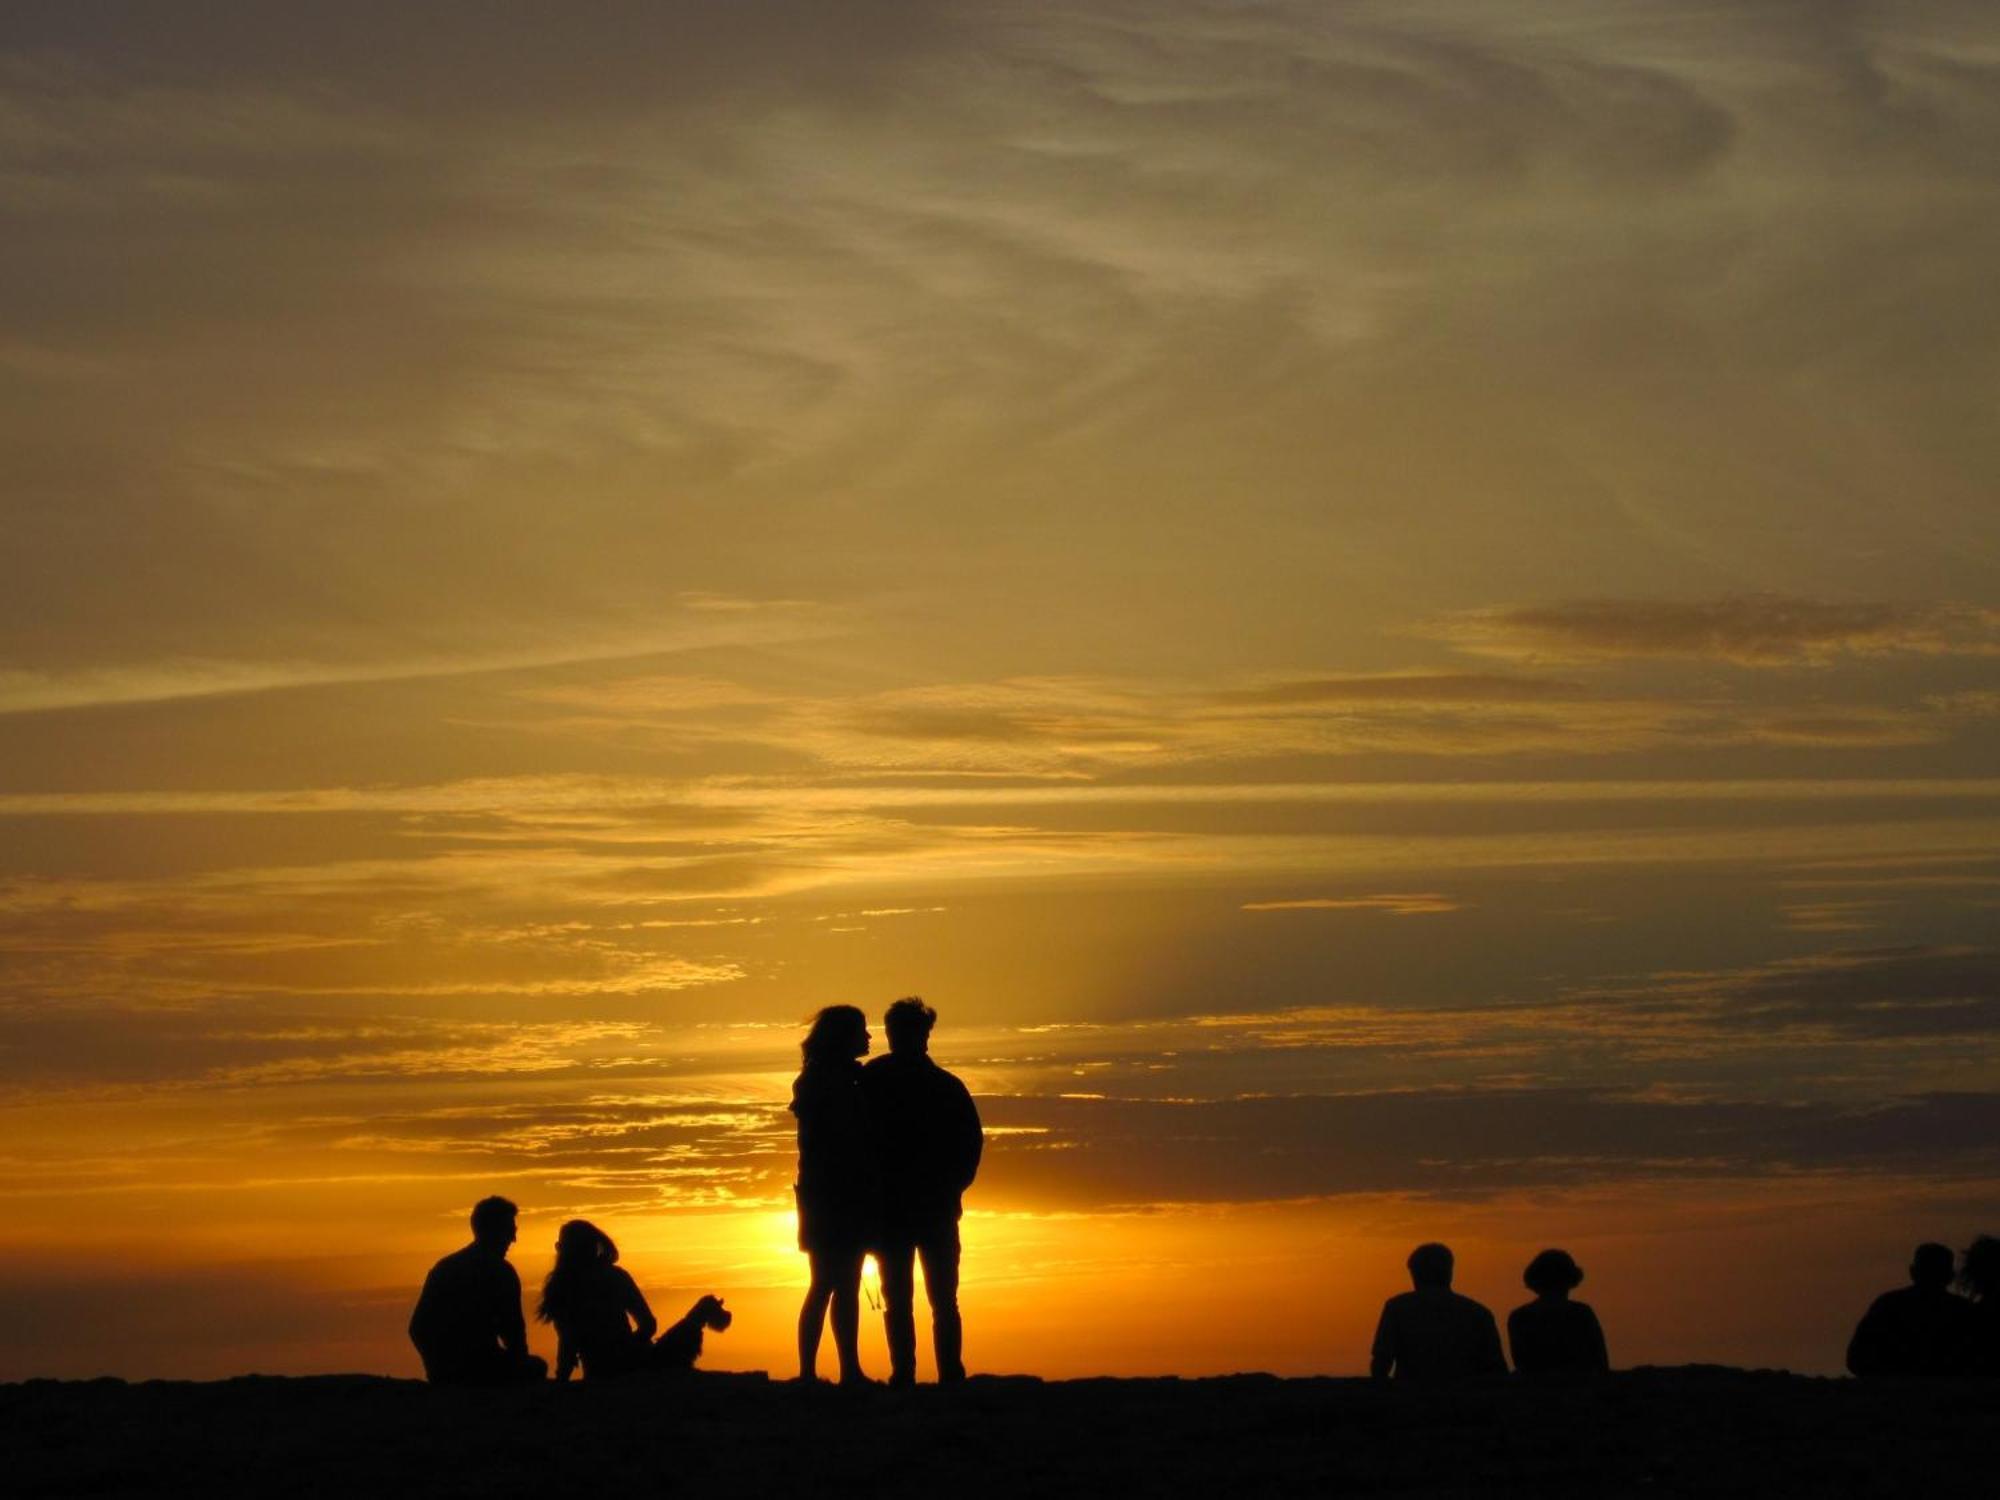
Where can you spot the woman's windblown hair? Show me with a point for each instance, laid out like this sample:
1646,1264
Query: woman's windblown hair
582,1250
836,1035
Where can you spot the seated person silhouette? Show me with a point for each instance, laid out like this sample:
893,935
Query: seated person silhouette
1979,1279
1919,1329
1431,1333
467,1325
601,1318
1553,1335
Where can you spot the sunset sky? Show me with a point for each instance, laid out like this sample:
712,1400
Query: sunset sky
1393,608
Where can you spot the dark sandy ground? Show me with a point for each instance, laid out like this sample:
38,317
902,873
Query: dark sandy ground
1647,1432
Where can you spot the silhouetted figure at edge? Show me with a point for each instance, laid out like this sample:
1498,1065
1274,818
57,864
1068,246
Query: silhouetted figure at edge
467,1325
1432,1333
1979,1279
927,1145
1919,1329
1553,1335
837,1189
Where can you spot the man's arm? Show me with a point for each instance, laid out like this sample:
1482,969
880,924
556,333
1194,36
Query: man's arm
1382,1358
513,1329
423,1317
1599,1354
971,1137
1489,1358
641,1315
1864,1350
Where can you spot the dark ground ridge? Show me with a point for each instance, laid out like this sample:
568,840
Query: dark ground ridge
1694,1430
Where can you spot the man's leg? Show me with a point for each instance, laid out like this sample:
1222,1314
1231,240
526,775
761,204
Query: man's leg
940,1252
898,1260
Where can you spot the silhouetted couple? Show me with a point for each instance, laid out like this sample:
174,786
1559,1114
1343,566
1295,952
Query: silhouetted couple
1431,1333
886,1153
1924,1329
468,1327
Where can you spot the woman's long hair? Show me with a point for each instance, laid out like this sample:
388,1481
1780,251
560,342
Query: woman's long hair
837,1035
582,1250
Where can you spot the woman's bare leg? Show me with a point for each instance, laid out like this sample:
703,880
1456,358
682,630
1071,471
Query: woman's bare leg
847,1320
812,1318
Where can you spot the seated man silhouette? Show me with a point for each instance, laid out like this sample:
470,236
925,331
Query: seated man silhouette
467,1325
1431,1332
927,1141
1553,1335
1919,1329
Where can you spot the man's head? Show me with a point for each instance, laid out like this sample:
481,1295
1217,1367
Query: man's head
493,1223
1430,1265
909,1022
1931,1266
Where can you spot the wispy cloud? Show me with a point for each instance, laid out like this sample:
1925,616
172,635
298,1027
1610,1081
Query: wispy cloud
1758,630
1407,904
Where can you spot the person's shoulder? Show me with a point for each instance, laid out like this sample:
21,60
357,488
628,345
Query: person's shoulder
1471,1307
814,1085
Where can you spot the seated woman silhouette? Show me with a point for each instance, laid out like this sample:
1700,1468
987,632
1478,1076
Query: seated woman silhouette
837,1186
601,1319
1553,1335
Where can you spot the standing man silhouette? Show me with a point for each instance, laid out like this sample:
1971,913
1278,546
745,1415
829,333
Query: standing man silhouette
468,1325
928,1140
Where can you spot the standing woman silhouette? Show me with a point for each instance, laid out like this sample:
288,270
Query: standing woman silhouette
836,1189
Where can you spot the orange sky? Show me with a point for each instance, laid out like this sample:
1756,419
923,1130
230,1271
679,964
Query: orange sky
1391,609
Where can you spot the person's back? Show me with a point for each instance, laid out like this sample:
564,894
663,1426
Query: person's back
1433,1333
1553,1335
598,1325
837,1183
467,1325
1919,1329
928,1137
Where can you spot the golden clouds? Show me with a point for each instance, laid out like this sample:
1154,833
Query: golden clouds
1761,630
1406,904
1374,599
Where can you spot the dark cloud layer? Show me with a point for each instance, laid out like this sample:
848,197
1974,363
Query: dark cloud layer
1099,1152
1884,992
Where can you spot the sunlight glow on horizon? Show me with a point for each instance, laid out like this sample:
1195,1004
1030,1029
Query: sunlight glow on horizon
1393,611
